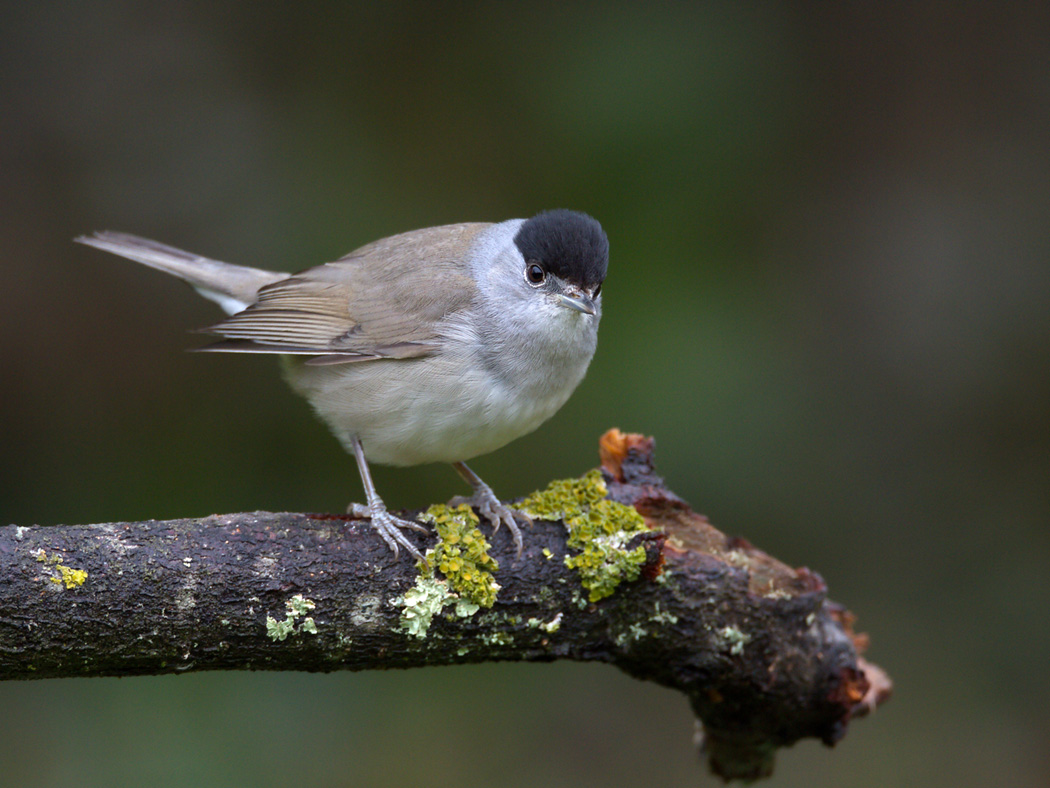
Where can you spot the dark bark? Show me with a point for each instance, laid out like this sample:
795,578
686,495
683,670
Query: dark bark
764,658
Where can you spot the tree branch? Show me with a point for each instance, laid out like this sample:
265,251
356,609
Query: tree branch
764,658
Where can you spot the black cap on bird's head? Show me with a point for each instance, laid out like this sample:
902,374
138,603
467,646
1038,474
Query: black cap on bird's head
568,244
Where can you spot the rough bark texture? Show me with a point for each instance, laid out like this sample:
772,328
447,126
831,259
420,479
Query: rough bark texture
764,658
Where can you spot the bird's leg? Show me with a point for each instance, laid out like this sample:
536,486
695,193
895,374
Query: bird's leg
388,526
489,506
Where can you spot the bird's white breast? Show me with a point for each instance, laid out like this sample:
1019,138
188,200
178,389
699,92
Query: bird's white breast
504,367
442,408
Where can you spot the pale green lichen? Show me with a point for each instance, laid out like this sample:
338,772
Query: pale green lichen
735,639
298,605
497,639
547,626
598,528
294,607
461,554
421,603
426,599
663,617
465,608
634,632
279,630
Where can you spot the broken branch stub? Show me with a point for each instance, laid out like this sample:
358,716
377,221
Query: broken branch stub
763,656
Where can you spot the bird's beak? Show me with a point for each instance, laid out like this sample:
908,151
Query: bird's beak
581,302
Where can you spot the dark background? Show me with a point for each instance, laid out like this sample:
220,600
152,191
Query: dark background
828,300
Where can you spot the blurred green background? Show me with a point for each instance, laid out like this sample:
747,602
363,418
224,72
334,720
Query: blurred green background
828,300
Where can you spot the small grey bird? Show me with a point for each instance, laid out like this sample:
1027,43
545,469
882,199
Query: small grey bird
436,345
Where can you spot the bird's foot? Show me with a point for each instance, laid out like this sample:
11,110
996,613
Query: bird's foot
388,526
495,511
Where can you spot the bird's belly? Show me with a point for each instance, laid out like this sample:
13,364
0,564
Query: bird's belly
416,411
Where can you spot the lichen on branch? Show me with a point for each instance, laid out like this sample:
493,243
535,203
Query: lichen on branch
616,569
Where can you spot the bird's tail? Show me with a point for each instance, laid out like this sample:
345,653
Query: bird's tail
233,287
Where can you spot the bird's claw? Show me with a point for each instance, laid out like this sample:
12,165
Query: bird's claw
389,527
495,511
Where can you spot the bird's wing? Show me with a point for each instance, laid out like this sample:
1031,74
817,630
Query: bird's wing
384,300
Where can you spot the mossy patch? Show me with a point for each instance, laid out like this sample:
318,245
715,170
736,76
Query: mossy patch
598,528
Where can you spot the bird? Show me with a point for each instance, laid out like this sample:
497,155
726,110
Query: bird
435,345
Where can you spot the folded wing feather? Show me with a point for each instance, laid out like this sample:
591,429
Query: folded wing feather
385,300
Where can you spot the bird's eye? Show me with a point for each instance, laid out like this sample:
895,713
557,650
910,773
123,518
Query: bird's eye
597,292
534,274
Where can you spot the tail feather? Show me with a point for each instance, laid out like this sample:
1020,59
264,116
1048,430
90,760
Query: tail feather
233,287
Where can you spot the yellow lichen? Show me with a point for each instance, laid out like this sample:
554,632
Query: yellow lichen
565,498
68,576
73,578
598,528
461,554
